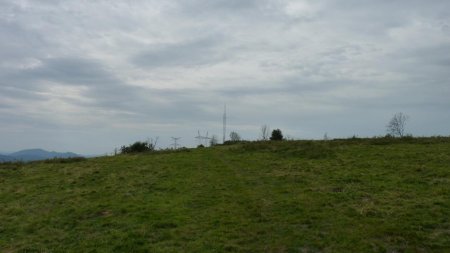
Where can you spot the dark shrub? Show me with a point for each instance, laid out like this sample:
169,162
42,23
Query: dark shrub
137,147
276,135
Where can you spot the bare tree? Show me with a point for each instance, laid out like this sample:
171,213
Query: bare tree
235,136
396,125
152,142
265,132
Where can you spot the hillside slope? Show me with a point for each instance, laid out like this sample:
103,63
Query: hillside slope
335,196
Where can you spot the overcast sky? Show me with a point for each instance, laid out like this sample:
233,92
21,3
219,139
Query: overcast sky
88,76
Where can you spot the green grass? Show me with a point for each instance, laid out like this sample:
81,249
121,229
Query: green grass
356,195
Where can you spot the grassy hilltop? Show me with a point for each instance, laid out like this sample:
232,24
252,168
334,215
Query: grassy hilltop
361,195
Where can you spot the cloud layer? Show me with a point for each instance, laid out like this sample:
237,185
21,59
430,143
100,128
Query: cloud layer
88,76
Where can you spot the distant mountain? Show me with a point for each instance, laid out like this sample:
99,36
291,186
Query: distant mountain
39,154
6,158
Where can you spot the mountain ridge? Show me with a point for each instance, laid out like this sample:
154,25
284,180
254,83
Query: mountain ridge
36,154
6,158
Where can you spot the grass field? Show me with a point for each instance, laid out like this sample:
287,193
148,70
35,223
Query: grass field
355,195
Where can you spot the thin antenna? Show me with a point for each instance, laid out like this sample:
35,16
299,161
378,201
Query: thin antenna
224,122
175,139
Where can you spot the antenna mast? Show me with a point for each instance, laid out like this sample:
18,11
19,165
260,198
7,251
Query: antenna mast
175,139
224,121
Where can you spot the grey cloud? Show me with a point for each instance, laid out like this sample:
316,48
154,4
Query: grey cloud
70,71
211,8
7,91
305,72
376,18
102,86
10,117
436,55
105,91
227,4
184,54
290,85
19,42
